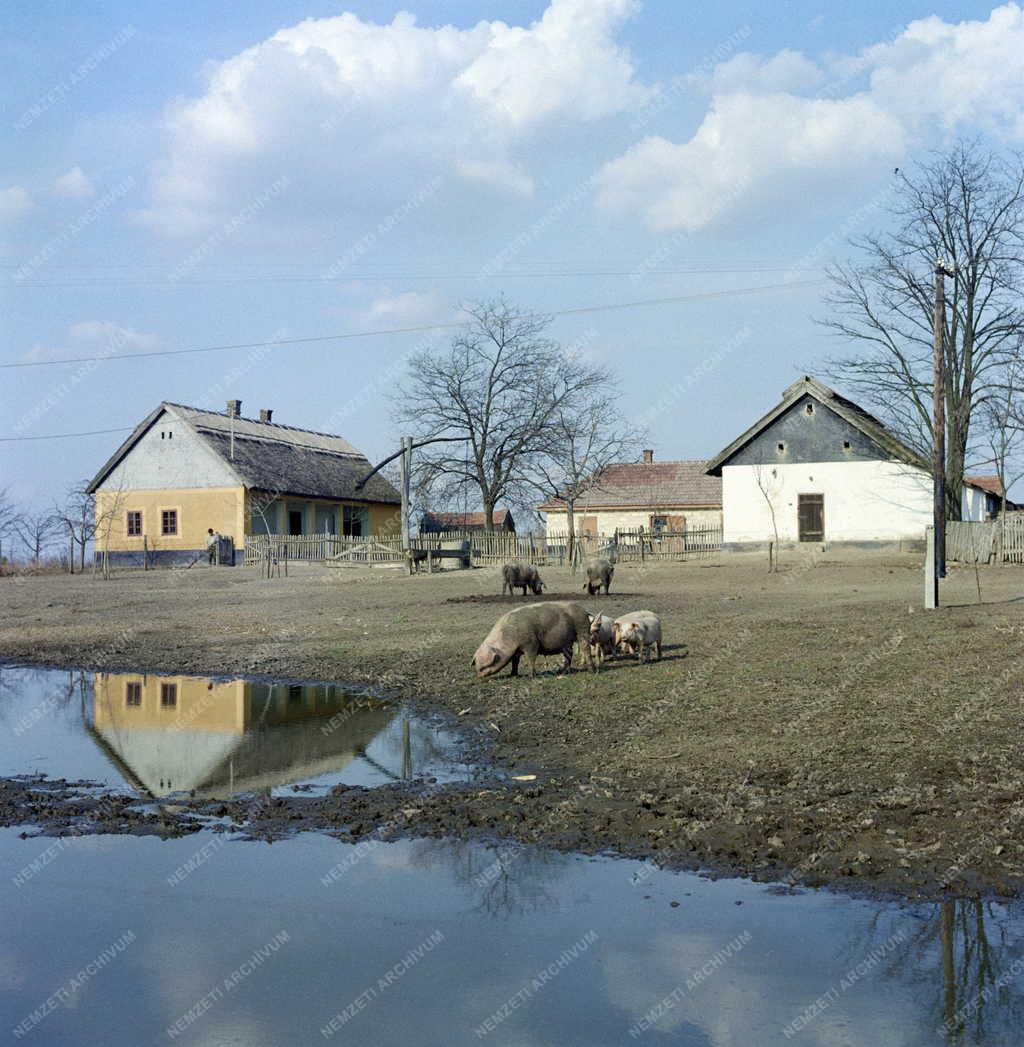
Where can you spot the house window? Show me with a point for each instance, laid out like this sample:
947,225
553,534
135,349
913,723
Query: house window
168,695
354,521
169,521
809,408
659,524
133,693
134,523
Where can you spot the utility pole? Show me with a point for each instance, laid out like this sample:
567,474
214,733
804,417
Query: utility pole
406,481
939,420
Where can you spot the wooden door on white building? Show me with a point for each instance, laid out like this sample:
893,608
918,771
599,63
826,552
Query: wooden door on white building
811,517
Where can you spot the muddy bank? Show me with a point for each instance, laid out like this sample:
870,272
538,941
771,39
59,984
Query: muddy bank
820,728
561,813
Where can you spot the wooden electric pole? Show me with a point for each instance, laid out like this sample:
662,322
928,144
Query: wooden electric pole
939,420
406,480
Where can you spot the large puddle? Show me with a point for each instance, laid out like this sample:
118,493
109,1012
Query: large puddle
203,940
209,940
161,735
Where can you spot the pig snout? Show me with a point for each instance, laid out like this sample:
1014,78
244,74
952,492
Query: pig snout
488,660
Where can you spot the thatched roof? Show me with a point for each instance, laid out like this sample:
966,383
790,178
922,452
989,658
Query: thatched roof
268,456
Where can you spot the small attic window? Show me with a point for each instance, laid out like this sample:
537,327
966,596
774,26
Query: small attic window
809,408
781,446
846,445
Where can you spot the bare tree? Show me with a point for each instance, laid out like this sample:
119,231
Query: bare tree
1003,422
965,207
492,396
9,517
585,434
77,516
769,490
37,532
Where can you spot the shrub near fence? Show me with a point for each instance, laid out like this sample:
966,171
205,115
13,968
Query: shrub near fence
486,549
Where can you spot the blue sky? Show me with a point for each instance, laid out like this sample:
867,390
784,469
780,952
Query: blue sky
186,175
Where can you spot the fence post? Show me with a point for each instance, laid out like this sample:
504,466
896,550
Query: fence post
931,580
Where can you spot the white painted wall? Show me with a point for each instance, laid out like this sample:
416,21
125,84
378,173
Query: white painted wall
864,501
973,504
177,459
608,520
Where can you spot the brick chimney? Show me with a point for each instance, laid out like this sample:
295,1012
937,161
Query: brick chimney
648,457
266,414
234,408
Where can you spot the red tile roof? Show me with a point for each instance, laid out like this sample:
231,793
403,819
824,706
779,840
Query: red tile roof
986,483
661,485
498,518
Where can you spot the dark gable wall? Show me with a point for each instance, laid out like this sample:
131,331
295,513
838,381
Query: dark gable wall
816,437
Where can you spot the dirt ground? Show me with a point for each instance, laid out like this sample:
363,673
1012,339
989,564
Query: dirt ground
814,725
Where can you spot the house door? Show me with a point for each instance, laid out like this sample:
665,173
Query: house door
811,517
295,521
589,526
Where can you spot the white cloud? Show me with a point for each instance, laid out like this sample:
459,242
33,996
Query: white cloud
348,106
750,148
408,309
785,71
760,133
74,185
99,338
565,63
14,203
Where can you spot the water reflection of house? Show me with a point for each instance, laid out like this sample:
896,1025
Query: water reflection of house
184,733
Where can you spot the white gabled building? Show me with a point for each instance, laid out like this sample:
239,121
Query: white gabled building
829,472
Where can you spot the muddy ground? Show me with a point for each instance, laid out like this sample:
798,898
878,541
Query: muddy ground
813,725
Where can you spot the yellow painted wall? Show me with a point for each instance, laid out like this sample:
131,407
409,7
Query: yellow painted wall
206,705
221,508
201,705
225,509
382,518
385,519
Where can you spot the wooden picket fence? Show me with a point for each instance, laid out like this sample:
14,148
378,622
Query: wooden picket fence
986,541
636,546
639,546
321,548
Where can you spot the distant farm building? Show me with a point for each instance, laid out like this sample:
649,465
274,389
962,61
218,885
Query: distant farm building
185,469
655,496
828,471
435,523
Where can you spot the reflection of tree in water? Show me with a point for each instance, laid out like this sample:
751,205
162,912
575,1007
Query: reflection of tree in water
961,953
507,878
412,749
62,689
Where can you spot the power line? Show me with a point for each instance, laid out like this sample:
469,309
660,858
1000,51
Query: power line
65,436
353,276
415,330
